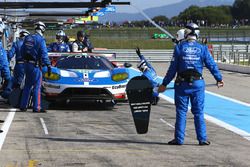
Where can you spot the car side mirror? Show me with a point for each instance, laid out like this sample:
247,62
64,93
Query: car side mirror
127,65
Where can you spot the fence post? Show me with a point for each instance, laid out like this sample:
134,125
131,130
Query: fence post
244,58
238,57
220,51
230,57
248,58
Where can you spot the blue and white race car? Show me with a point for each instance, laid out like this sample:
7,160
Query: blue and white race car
85,77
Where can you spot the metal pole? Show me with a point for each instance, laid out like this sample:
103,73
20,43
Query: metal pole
248,55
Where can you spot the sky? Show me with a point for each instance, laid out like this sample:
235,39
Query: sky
141,4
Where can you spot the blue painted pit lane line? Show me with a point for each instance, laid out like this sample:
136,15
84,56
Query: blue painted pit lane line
226,112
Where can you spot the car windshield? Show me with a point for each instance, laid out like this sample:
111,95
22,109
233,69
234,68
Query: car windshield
84,62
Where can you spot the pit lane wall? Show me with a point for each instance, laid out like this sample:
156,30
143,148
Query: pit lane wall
234,68
228,57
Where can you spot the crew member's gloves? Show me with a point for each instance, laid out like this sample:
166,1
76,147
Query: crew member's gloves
49,70
220,83
162,88
85,49
138,51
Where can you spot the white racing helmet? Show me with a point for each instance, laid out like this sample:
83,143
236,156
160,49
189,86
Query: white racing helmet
23,33
180,35
142,66
60,35
40,26
192,31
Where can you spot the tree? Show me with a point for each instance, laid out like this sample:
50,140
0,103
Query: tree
192,13
211,14
163,19
217,15
241,9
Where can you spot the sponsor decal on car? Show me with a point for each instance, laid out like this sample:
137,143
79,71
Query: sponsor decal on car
118,86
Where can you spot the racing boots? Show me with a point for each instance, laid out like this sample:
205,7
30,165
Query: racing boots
174,142
155,100
204,143
25,109
40,111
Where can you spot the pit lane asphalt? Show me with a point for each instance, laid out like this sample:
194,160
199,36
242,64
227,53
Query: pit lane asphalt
83,135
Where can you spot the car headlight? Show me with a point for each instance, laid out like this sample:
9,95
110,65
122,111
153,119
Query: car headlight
119,77
52,76
65,73
102,74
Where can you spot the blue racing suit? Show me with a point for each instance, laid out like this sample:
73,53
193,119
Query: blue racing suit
34,53
19,66
190,56
5,70
58,47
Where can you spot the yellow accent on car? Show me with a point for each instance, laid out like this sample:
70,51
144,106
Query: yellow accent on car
52,76
119,77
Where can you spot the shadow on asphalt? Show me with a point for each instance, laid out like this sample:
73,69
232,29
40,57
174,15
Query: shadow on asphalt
70,106
101,141
111,141
82,106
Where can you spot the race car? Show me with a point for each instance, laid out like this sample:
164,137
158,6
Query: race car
85,77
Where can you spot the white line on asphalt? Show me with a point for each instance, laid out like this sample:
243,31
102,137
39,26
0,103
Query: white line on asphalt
172,126
167,98
8,109
6,127
162,120
236,130
44,126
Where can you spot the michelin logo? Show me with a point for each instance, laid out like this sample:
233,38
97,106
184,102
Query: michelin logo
118,87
